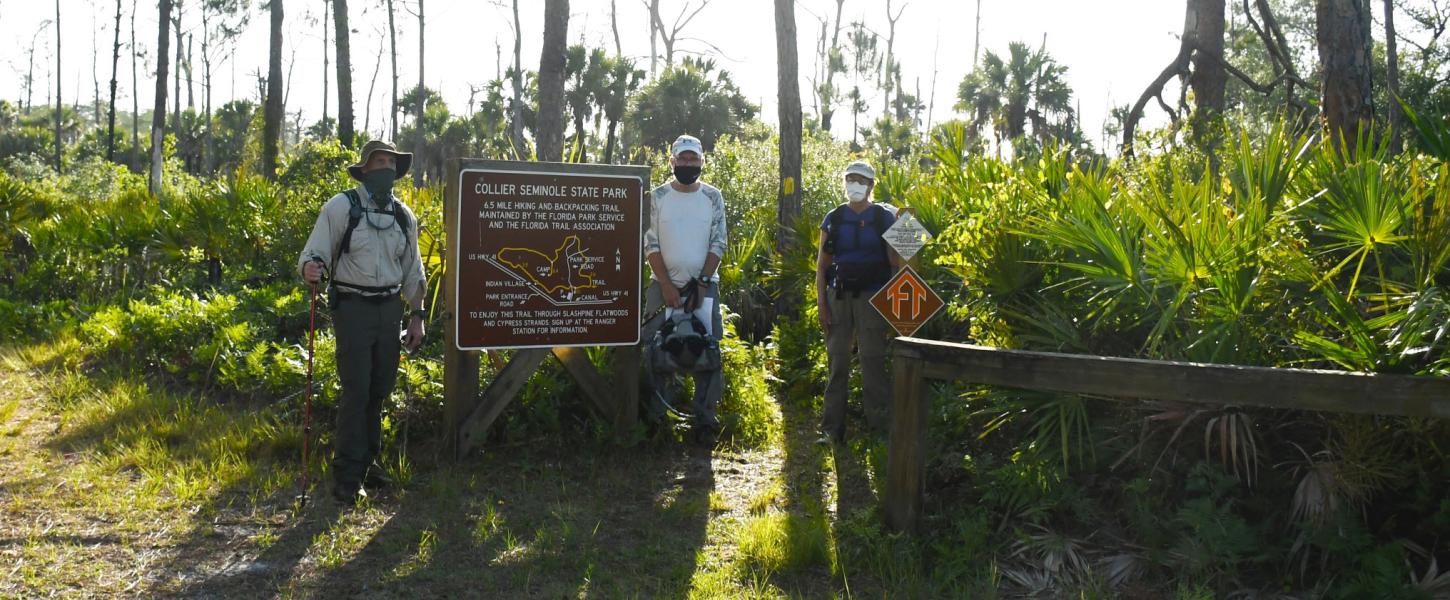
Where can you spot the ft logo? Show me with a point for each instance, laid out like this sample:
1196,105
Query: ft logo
906,302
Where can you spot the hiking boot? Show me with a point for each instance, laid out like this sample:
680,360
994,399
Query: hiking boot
377,478
348,494
831,438
705,435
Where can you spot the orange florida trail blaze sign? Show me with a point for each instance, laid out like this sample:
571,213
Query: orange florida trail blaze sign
906,302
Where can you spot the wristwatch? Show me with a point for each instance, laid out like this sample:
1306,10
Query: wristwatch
418,312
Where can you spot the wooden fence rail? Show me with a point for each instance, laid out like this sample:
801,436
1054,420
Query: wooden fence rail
917,360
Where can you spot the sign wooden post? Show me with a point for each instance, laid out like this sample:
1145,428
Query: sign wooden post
542,258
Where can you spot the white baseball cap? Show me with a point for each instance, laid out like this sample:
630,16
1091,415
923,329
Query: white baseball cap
687,143
860,167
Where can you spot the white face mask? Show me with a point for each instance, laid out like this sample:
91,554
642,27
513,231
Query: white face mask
856,192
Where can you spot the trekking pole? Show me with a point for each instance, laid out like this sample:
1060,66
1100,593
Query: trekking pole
307,403
407,394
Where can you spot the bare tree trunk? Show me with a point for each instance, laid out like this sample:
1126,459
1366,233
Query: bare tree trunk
95,79
788,202
57,86
551,80
421,38
1194,15
272,112
208,150
614,25
135,94
931,105
1205,20
609,146
419,142
1278,49
1392,80
891,70
977,37
288,140
368,112
1344,57
326,64
179,7
657,23
828,108
190,81
393,44
158,114
30,73
344,74
516,108
111,107
654,33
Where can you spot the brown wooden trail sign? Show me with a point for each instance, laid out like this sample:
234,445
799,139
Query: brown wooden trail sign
542,258
547,259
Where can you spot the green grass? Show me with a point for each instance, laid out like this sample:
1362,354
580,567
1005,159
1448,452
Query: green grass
780,542
122,487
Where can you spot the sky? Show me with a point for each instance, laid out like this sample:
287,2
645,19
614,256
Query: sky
1112,48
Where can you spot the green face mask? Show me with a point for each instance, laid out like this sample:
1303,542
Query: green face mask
379,183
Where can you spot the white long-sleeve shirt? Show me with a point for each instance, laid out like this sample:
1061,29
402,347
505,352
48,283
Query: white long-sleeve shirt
684,228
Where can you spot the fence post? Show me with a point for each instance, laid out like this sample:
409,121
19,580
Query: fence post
906,455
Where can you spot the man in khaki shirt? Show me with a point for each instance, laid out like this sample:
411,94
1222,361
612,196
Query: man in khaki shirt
366,242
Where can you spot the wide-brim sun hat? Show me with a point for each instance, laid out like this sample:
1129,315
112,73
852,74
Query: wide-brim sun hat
405,159
860,167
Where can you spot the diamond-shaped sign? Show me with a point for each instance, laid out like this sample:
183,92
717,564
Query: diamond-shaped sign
906,302
907,235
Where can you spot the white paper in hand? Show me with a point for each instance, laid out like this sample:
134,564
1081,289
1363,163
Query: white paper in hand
705,313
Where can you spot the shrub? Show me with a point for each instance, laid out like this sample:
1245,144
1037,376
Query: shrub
216,340
748,413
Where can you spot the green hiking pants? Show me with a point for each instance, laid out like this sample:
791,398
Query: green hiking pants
367,365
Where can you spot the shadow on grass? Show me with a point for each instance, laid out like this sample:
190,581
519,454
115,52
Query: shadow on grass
563,521
555,517
809,572
546,520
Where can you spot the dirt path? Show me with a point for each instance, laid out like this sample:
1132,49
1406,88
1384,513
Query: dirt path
546,519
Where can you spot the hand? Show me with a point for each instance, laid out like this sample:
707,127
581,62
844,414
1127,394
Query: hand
824,314
414,337
671,294
312,271
697,298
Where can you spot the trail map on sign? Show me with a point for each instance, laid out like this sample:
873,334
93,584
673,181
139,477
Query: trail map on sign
564,277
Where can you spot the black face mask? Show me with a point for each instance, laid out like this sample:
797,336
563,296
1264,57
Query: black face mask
687,175
379,183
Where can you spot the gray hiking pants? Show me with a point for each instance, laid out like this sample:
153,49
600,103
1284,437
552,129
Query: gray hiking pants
854,319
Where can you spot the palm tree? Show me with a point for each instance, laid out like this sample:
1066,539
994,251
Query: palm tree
623,81
586,76
689,97
1029,86
490,124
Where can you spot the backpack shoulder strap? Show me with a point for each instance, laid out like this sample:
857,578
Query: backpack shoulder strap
879,219
354,214
401,216
833,228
